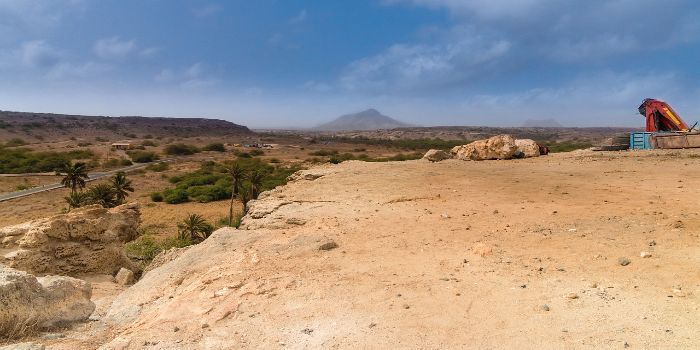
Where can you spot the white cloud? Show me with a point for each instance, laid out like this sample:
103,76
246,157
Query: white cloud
192,77
301,17
38,54
206,11
113,48
408,67
149,52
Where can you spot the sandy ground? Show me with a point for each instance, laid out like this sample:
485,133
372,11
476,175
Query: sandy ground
495,254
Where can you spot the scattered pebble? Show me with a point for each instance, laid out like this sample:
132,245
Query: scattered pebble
176,329
652,243
328,245
307,331
572,295
406,306
645,255
372,325
544,307
445,216
623,261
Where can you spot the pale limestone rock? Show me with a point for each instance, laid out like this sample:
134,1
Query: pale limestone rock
436,155
529,148
497,147
85,240
50,301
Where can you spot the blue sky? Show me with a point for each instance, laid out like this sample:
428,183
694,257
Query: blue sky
289,63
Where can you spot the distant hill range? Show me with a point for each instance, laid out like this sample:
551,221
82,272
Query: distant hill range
370,119
61,126
541,123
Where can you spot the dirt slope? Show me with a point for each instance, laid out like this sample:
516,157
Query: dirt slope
445,255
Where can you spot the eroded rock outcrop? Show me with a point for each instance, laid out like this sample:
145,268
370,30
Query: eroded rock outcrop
86,240
29,302
529,148
497,147
436,155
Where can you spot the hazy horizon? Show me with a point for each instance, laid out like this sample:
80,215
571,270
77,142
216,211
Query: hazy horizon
274,64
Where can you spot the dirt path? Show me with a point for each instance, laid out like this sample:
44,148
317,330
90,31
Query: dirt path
501,254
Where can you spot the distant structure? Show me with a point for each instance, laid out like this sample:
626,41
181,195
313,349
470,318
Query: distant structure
122,145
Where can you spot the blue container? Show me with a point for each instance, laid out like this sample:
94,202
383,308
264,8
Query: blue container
640,140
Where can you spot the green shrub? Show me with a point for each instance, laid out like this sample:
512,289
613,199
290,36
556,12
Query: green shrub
257,152
156,197
142,157
175,196
323,153
148,143
147,247
15,142
22,160
180,149
216,147
84,144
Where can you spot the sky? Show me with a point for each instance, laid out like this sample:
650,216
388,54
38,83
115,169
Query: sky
292,63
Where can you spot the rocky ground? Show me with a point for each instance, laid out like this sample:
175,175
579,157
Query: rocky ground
577,250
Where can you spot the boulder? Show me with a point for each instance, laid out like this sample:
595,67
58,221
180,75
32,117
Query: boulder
29,302
497,147
85,240
125,277
528,148
436,155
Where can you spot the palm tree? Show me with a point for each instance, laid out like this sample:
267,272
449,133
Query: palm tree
102,194
245,196
237,175
194,228
256,179
122,187
76,200
74,175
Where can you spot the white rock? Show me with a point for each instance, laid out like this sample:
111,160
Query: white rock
436,155
528,147
497,147
645,255
43,302
124,277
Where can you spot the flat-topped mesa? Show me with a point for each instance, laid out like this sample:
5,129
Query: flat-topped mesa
85,240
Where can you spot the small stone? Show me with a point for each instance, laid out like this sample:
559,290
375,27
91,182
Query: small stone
623,261
307,331
124,277
645,255
544,307
206,325
406,306
372,325
626,345
593,285
176,329
445,216
652,243
572,295
328,245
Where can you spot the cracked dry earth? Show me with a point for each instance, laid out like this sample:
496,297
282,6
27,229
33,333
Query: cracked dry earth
501,254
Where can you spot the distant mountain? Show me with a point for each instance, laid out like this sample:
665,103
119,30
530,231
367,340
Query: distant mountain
62,127
541,123
370,119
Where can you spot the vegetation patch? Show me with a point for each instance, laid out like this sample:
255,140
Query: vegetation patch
566,146
23,160
181,149
212,182
422,144
215,147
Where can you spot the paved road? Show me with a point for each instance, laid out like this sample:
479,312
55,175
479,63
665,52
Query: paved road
45,188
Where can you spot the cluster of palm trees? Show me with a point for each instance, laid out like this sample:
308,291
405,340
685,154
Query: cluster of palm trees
241,190
108,195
